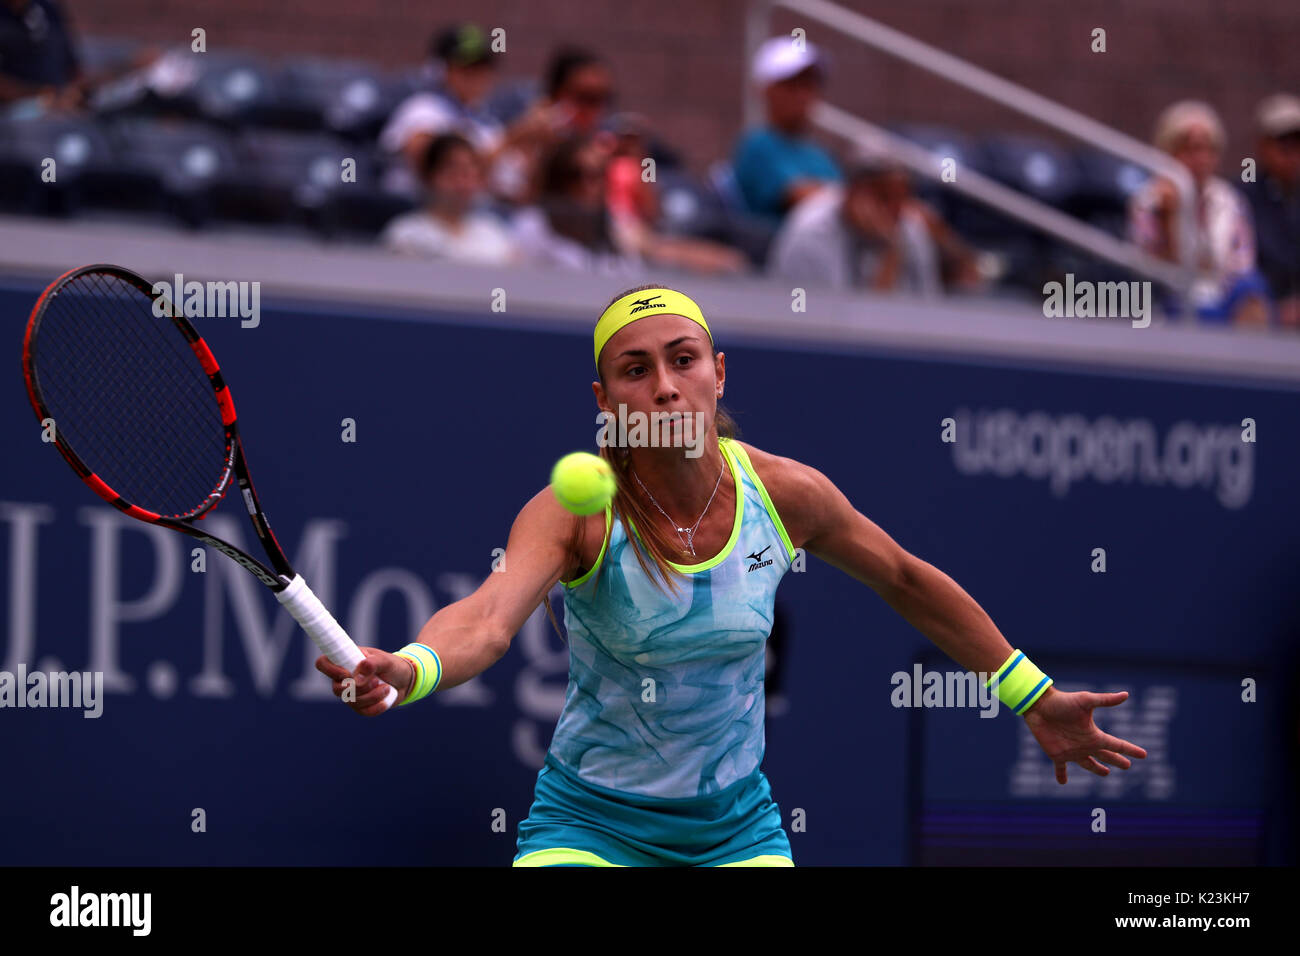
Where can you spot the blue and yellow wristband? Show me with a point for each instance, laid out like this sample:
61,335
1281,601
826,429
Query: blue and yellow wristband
428,670
1020,682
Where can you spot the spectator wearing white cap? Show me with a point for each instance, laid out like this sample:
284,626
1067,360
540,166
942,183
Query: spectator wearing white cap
1227,287
1274,200
778,164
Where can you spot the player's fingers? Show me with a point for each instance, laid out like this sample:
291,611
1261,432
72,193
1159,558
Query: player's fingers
376,708
330,669
1106,700
1119,745
1114,759
1089,763
372,695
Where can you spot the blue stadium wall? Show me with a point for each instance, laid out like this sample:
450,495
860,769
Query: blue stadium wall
215,704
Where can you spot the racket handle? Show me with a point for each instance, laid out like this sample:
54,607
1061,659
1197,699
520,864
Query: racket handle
332,640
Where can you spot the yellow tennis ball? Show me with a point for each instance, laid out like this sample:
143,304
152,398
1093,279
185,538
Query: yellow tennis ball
583,482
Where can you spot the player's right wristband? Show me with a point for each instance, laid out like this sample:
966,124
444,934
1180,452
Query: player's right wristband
1020,682
428,670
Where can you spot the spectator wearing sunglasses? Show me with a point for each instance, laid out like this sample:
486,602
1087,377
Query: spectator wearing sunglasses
576,94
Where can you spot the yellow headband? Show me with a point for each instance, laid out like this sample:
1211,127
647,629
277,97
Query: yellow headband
638,305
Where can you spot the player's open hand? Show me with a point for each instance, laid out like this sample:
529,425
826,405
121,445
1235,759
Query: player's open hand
365,689
1062,724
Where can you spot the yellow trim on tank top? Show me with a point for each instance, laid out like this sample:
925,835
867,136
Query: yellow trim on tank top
724,445
734,455
743,457
609,513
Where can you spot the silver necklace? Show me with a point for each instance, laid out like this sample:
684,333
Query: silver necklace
689,532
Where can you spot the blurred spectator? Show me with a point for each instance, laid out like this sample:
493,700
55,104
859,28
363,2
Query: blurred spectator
38,59
450,226
634,208
577,92
570,225
461,70
778,164
1275,202
871,233
630,197
1227,287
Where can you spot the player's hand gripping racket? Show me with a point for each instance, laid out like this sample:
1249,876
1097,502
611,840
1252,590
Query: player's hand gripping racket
141,413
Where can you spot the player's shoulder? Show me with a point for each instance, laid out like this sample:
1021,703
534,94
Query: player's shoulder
795,488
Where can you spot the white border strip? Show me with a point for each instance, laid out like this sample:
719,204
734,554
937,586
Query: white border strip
755,309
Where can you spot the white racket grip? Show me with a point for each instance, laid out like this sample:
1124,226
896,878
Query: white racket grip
320,625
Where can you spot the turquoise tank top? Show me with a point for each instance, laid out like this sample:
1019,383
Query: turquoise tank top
665,692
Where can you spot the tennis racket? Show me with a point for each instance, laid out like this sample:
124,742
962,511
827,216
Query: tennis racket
142,414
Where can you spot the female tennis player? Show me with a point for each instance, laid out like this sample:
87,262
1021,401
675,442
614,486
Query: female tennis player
668,597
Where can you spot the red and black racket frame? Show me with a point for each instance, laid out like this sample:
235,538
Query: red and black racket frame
276,577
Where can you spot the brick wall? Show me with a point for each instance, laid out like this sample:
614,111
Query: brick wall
680,60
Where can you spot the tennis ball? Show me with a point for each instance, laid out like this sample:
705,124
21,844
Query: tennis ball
583,482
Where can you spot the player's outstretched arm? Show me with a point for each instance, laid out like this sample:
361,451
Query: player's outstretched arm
475,632
939,608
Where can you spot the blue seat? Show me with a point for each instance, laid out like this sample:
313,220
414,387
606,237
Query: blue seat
284,178
687,207
1106,182
88,170
310,93
946,143
233,90
1034,166
187,158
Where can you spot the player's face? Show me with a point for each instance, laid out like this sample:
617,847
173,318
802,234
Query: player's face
663,363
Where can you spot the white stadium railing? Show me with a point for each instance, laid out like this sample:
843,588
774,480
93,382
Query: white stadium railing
1068,229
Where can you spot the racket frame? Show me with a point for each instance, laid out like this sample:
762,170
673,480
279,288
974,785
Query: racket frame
280,573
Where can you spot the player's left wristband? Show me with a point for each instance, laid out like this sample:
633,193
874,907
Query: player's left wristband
428,670
1020,682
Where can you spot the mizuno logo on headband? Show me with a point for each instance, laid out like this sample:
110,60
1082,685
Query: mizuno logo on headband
630,308
640,305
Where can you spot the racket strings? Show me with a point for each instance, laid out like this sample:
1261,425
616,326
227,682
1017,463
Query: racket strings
180,378
177,472
87,375
180,474
129,395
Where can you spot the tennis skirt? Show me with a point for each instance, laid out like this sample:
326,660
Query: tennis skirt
574,823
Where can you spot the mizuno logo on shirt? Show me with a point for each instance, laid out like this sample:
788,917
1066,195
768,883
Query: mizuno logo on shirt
757,558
